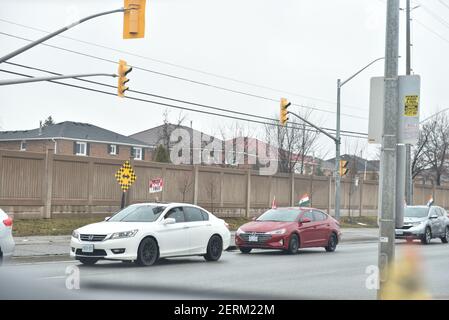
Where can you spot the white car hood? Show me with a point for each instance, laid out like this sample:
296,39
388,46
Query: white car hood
105,227
411,219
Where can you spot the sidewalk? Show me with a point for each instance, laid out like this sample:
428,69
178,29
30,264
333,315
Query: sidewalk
41,246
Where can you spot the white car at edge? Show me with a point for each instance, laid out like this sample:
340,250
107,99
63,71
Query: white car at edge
146,232
6,239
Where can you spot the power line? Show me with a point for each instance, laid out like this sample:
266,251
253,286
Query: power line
228,110
432,31
185,79
169,105
178,65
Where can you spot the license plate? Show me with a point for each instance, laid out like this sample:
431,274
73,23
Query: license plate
253,238
399,232
88,248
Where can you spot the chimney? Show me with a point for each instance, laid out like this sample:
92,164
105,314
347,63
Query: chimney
40,128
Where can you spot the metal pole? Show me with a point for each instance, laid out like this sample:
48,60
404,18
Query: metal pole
32,79
389,142
53,34
337,155
408,147
122,204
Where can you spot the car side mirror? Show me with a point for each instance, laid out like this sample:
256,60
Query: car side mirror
107,218
305,220
433,216
169,221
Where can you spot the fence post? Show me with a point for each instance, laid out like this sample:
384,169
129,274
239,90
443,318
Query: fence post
48,183
90,185
248,193
362,182
311,190
292,188
195,184
164,175
221,189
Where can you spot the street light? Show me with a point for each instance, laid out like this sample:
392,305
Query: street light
338,139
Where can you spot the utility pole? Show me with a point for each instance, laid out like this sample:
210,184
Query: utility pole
389,144
337,154
408,147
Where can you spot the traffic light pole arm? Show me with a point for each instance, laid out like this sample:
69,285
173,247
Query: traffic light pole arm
20,81
316,127
53,34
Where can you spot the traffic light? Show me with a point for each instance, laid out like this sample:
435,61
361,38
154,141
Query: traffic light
123,70
283,117
343,168
134,19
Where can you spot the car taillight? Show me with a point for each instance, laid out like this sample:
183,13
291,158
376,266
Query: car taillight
8,222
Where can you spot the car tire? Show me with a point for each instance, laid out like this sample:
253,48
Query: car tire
445,238
88,261
427,236
245,250
148,252
331,243
293,244
214,248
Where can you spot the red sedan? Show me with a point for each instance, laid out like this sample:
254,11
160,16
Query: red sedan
289,229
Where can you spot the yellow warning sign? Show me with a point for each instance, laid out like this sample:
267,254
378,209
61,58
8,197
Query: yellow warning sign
411,105
125,176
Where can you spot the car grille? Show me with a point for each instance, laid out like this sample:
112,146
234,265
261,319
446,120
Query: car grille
261,237
406,227
95,253
92,237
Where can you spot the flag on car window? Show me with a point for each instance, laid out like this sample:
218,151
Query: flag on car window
273,203
430,202
304,201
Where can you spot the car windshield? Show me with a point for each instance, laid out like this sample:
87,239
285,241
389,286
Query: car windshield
416,212
138,214
283,215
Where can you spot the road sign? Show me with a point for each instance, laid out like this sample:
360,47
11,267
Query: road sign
125,176
409,91
156,185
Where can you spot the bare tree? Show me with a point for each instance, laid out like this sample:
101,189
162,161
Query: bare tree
419,161
186,185
294,142
211,189
168,128
436,148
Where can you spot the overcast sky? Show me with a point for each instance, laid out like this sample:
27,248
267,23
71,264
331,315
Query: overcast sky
297,46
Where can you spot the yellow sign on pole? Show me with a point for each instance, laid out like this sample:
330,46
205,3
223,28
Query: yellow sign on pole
125,176
134,19
411,105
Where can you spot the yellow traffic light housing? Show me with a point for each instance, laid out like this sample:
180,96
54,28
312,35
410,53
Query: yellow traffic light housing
283,116
343,168
123,70
134,19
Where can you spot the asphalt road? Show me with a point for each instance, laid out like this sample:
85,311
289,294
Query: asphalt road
310,274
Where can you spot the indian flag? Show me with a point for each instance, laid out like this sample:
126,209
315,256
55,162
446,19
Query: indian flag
304,201
430,202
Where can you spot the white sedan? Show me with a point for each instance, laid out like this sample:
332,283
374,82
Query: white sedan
148,231
6,239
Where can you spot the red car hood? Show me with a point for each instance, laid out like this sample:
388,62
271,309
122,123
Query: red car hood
265,226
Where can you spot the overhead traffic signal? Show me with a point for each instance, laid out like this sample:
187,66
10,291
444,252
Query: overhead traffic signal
134,19
283,116
343,168
123,70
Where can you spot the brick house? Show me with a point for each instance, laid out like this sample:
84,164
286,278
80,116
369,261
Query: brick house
75,138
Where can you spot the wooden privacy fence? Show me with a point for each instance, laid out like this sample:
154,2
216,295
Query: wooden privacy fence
45,185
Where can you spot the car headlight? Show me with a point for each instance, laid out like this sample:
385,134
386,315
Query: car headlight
75,234
280,231
415,224
124,234
239,231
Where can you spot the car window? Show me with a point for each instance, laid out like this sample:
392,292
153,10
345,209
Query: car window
440,212
138,214
309,215
193,214
177,214
205,215
280,215
319,216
